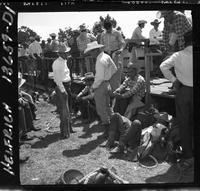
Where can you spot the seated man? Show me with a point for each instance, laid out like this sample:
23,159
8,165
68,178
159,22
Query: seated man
86,97
130,93
130,134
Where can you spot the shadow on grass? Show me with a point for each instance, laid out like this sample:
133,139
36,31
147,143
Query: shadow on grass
89,130
84,149
171,176
46,141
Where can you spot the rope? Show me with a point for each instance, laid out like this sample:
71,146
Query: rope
150,167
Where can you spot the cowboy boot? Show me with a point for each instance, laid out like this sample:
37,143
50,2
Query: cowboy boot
106,130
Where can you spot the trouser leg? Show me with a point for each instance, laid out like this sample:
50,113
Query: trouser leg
184,106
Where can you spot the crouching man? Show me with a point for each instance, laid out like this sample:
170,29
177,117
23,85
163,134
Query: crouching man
85,98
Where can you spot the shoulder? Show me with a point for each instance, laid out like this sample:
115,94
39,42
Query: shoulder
140,78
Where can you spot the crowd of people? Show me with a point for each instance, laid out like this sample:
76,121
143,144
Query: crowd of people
116,91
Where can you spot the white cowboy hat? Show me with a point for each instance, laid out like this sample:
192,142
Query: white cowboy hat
53,34
141,21
163,116
21,81
82,27
62,48
93,45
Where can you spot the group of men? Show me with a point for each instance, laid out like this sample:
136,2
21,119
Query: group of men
105,89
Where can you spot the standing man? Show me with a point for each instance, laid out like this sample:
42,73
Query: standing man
137,35
105,69
179,24
155,35
63,83
182,62
54,45
82,40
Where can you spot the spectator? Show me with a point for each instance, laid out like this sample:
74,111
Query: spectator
63,82
54,45
131,92
182,62
82,40
136,50
114,45
181,25
86,97
23,55
155,35
47,51
105,69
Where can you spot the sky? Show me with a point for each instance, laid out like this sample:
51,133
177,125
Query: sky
44,23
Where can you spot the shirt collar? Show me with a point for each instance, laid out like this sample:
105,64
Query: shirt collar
101,54
61,59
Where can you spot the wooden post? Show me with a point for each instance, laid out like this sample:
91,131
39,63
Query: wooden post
147,79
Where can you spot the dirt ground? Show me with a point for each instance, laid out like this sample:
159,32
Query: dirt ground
49,156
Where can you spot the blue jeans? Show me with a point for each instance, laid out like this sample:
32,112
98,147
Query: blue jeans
64,112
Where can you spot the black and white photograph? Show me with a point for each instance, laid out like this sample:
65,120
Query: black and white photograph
104,96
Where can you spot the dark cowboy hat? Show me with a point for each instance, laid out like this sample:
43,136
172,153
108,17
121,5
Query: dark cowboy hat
155,22
163,116
71,176
88,76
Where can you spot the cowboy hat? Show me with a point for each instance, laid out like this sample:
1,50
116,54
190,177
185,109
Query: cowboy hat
161,13
133,65
155,22
71,176
93,45
62,48
53,34
88,76
31,38
163,116
21,81
141,21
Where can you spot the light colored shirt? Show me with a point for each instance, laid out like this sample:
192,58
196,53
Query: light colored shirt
182,62
61,73
155,37
54,45
35,48
83,41
137,34
112,41
105,68
133,87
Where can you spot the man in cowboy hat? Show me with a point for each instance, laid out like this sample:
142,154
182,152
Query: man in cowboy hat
182,62
131,92
155,35
137,33
82,40
54,45
63,82
179,24
86,97
105,69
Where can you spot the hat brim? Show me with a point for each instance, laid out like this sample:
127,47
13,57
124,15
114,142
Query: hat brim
154,23
22,82
88,78
92,48
67,50
72,176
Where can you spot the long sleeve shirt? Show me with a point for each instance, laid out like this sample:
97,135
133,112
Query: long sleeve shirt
181,25
112,41
35,48
54,45
137,34
155,37
105,68
132,87
182,62
83,41
61,73
87,93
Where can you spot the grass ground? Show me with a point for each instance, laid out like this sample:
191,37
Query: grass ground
49,156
